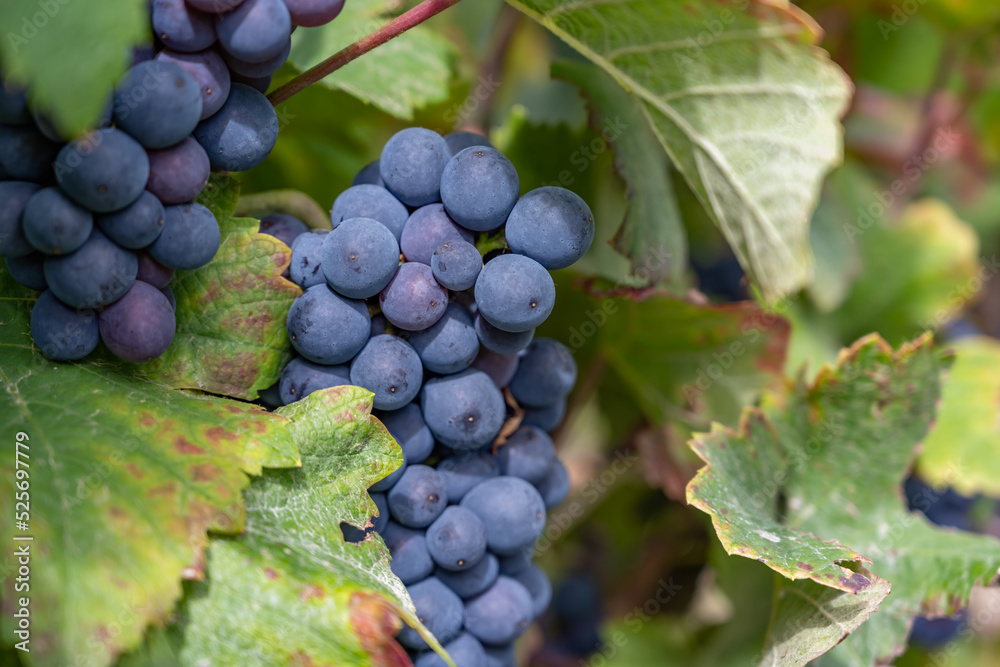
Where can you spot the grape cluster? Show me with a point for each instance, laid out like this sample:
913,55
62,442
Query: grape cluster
398,300
100,223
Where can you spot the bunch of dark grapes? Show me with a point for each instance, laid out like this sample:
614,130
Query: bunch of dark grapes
398,300
99,222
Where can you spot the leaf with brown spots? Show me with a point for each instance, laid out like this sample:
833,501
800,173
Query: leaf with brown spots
126,478
291,575
813,478
231,336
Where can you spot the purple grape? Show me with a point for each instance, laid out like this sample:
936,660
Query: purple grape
179,173
54,224
313,13
306,267
28,270
96,274
500,367
140,326
152,272
190,237
426,230
286,228
182,27
413,300
137,225
256,30
14,196
158,103
258,70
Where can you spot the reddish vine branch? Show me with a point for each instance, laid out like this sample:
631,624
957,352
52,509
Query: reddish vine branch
393,28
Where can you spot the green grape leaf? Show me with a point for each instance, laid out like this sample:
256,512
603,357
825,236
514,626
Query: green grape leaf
962,451
231,337
331,602
71,54
399,77
125,479
813,477
741,99
808,619
671,358
652,226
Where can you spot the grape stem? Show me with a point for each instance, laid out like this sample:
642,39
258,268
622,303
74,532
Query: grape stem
393,28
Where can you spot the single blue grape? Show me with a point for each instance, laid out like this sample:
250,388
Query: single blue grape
137,225
169,293
327,328
179,173
98,273
538,586
190,237
464,471
465,650
464,411
157,103
528,454
302,377
389,368
479,187
369,175
555,487
438,609
411,561
209,72
450,344
545,375
28,270
501,614
500,367
62,333
407,427
313,13
552,226
513,511
459,141
182,27
26,154
457,539
547,418
104,170
370,201
286,228
426,229
54,224
152,272
515,293
257,70
14,196
411,165
470,583
418,497
359,257
306,267
242,133
255,31
413,300
140,326
456,265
